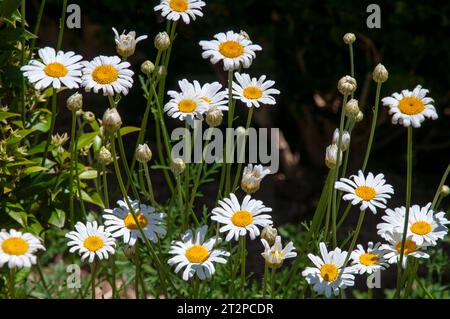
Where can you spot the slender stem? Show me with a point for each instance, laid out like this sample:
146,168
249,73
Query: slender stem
438,191
93,274
408,204
344,216
37,26
180,202
355,237
125,165
243,253
352,65
42,278
138,270
242,154
62,24
22,61
77,176
52,127
228,134
149,185
12,283
266,274
72,159
372,129
272,283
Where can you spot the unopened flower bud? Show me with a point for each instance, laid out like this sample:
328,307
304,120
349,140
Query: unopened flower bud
359,117
331,155
240,131
214,117
143,153
162,41
161,71
345,139
349,38
347,85
269,233
75,102
177,166
129,251
147,67
126,43
380,74
352,108
89,117
104,156
445,190
111,120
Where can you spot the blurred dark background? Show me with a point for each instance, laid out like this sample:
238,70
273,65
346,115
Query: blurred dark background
304,53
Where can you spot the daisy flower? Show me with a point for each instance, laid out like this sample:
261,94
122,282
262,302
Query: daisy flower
121,223
213,95
234,49
253,91
184,9
17,249
368,261
410,108
107,74
91,240
57,69
196,254
252,176
393,249
275,255
424,226
186,105
126,43
371,191
329,275
241,218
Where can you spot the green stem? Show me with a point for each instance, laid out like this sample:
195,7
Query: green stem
52,127
22,61
42,278
62,24
408,204
354,239
37,26
372,129
149,185
241,155
243,253
93,274
438,191
138,270
125,165
72,159
266,274
272,283
228,134
12,283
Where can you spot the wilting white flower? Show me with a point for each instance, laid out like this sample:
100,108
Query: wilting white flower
275,255
252,176
126,43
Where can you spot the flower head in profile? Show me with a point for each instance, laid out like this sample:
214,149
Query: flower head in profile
240,219
196,254
55,69
424,225
233,49
275,255
107,74
410,107
371,191
120,222
252,176
184,9
368,260
187,105
17,249
91,240
253,91
393,249
126,43
329,274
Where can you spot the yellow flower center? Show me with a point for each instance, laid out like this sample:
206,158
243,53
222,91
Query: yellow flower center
365,192
105,74
252,92
93,243
206,100
411,105
15,246
55,70
420,228
179,5
197,254
187,106
242,218
368,259
231,49
130,223
410,247
329,272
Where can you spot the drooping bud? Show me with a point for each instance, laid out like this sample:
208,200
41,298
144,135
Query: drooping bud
380,74
269,233
143,153
352,108
111,120
345,139
347,85
104,156
162,41
349,38
147,67
214,117
177,166
75,102
331,155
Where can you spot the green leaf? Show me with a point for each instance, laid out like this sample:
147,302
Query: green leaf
21,135
6,115
8,7
34,169
86,139
57,218
89,174
95,199
128,129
